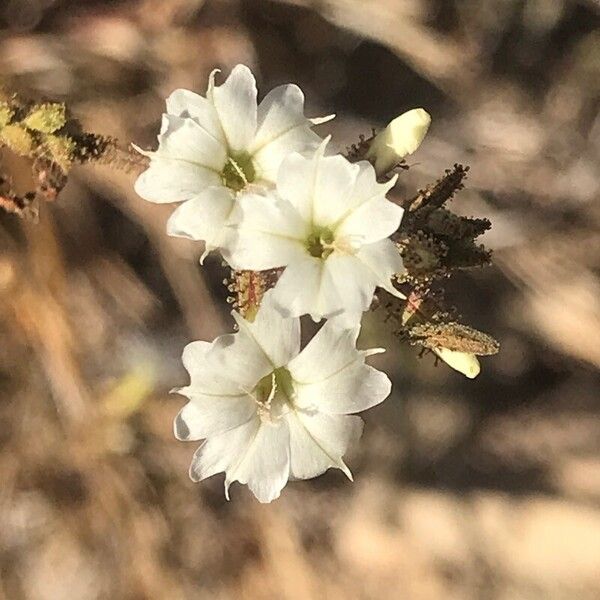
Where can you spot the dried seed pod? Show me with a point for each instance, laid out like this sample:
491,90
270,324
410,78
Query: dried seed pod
436,195
454,336
249,288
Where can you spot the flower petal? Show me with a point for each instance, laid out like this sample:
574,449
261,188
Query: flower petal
235,101
365,188
269,233
268,159
186,104
318,186
169,180
354,388
347,285
282,128
384,260
294,183
280,111
185,140
203,217
307,458
277,337
221,451
206,416
319,441
297,288
334,179
340,285
332,349
232,364
371,221
265,464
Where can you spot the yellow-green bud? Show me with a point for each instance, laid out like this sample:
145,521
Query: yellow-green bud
46,118
17,138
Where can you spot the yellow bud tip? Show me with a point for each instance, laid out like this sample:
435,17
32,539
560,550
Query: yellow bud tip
463,362
401,137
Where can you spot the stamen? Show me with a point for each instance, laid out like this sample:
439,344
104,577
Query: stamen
273,395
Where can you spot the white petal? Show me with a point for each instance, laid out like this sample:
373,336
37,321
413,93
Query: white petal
365,188
194,354
185,140
294,184
318,186
206,416
265,465
384,260
339,285
219,452
316,433
235,101
372,221
332,349
334,179
269,233
298,287
401,137
233,364
183,103
282,128
280,111
355,388
203,217
463,362
169,180
308,459
347,286
268,159
278,337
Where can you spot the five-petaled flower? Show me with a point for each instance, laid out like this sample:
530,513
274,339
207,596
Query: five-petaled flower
328,224
270,412
211,148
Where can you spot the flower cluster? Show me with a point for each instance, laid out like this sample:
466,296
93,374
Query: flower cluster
256,183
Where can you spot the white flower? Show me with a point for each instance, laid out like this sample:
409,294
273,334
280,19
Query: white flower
401,137
210,148
269,412
328,225
463,362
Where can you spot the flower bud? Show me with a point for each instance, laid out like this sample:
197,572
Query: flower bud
401,137
463,362
17,138
46,118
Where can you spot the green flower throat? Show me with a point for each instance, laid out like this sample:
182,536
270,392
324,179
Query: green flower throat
238,171
319,242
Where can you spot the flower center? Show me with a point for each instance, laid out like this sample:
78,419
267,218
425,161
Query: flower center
274,395
320,242
238,171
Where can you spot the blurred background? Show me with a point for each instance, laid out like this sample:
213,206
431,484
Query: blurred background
484,489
